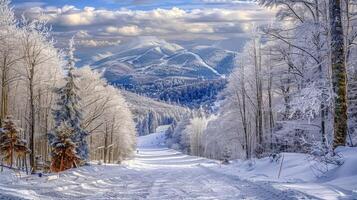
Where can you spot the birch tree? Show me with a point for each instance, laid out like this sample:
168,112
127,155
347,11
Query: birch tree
37,50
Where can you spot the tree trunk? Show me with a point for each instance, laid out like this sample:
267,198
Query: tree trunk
11,149
270,103
242,110
339,80
260,97
4,93
323,107
111,141
62,163
258,82
106,143
32,121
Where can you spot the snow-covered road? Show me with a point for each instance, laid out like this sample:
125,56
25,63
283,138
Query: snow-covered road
155,173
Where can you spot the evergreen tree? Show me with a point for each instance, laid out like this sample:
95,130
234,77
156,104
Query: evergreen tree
11,145
68,111
63,153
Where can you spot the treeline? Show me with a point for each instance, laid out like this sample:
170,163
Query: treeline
294,89
52,112
149,113
192,93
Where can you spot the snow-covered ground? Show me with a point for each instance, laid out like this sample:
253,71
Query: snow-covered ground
165,174
302,173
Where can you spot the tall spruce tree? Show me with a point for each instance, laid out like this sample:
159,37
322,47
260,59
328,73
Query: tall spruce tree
69,112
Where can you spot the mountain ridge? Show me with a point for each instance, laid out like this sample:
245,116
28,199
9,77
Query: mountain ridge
153,66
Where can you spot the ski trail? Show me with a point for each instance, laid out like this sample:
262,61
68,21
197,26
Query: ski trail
156,173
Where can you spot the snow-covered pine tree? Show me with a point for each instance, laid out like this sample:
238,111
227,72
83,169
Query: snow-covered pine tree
11,145
69,112
63,154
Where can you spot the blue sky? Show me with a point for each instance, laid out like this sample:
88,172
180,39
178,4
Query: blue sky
106,24
130,4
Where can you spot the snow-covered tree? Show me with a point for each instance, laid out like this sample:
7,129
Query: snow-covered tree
178,139
11,144
194,133
106,118
9,54
69,111
282,88
30,68
64,155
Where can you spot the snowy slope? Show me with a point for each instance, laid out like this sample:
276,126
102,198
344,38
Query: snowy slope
155,139
160,173
223,60
149,57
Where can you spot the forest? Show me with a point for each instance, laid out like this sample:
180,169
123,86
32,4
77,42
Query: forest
66,132
294,89
50,109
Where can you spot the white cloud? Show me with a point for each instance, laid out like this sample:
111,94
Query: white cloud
112,25
76,19
131,30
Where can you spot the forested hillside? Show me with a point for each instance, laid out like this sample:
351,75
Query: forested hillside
150,114
167,71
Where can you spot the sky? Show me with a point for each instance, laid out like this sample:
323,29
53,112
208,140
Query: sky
107,24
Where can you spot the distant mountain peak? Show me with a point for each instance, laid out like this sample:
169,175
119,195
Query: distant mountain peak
151,41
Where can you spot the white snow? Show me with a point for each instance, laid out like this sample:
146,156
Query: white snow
157,172
145,41
199,61
154,140
301,173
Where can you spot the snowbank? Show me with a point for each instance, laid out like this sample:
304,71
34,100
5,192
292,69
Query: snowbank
295,167
344,176
301,172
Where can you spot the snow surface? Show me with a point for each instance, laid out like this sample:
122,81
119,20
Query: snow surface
300,172
157,172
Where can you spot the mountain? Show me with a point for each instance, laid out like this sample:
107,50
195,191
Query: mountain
155,67
222,60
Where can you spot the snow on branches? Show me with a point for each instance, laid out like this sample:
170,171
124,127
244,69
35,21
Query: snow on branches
12,147
68,111
64,155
